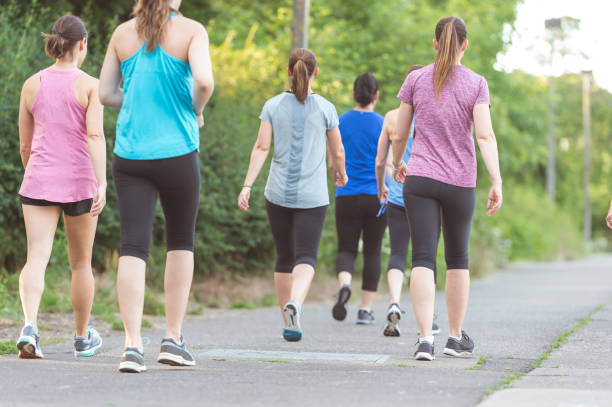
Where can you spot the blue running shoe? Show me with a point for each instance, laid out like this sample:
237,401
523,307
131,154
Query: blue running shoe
29,343
132,361
85,347
293,330
175,354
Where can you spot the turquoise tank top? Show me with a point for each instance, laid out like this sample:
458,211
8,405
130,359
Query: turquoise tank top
156,119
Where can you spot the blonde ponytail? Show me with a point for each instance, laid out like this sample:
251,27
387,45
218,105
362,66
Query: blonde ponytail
151,17
450,34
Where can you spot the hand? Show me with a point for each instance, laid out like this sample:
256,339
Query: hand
341,179
400,173
609,218
200,120
382,194
243,198
99,201
495,199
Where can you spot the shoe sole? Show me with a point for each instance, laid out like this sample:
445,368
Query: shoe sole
435,331
424,356
339,311
89,352
27,349
131,367
293,332
174,360
392,327
365,322
452,352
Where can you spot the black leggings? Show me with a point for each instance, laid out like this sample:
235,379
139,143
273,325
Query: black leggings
297,233
355,213
424,197
177,180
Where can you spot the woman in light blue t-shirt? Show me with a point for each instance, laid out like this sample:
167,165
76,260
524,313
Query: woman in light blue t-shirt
300,123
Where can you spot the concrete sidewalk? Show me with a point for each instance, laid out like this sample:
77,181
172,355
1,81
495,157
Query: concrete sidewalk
514,317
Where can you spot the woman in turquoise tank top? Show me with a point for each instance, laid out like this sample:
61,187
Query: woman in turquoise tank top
164,62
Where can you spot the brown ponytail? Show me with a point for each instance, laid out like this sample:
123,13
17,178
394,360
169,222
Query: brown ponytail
65,34
151,17
451,33
302,64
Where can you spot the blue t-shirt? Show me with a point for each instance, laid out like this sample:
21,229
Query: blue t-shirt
396,195
298,174
360,132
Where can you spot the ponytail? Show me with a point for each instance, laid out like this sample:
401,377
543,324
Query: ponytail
451,33
302,64
67,31
151,17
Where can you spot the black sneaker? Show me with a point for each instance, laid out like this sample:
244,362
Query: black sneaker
425,351
175,354
365,317
339,310
132,361
464,347
394,314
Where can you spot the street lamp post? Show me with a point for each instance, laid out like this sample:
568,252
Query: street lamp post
301,11
552,25
586,125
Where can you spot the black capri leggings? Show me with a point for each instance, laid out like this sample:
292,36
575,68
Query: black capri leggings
355,213
137,182
424,197
297,233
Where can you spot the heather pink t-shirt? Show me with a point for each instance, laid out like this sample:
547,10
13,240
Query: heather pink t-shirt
443,147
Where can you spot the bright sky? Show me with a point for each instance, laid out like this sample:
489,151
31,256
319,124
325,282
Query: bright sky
529,50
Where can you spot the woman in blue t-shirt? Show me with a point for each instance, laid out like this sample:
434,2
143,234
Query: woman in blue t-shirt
357,204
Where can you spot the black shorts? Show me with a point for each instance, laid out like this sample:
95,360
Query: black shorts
70,208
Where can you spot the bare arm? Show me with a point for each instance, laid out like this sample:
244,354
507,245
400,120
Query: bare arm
201,68
336,152
609,217
400,139
488,149
382,157
97,147
258,158
110,77
26,126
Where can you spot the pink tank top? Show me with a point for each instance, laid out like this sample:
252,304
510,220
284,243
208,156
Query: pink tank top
59,168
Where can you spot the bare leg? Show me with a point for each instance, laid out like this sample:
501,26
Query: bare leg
40,223
80,233
367,297
130,292
423,291
283,283
457,294
302,278
177,283
395,279
344,277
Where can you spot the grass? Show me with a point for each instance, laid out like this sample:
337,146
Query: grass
54,341
146,323
273,361
404,365
481,361
241,305
508,380
199,310
509,357
8,348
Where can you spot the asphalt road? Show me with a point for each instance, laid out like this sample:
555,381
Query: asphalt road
514,317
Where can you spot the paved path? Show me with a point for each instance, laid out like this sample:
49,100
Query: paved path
514,317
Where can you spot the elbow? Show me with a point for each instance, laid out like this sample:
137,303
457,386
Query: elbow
25,150
204,85
380,165
95,135
104,97
485,136
262,148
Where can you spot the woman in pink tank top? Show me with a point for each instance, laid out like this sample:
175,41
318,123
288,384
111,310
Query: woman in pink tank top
447,101
64,154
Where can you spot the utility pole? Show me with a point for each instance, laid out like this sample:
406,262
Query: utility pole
552,25
301,11
586,123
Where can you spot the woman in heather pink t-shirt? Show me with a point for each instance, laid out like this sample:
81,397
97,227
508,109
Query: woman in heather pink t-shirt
64,155
448,101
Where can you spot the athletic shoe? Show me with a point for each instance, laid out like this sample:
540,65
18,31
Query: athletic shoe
435,329
425,351
175,354
463,347
365,317
29,343
293,330
394,314
132,361
339,310
84,347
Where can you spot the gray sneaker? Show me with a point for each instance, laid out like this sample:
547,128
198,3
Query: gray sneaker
394,314
132,361
29,343
175,354
463,347
365,317
85,347
425,351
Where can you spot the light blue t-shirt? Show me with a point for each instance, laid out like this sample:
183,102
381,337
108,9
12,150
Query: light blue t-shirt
396,195
360,132
156,119
298,174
